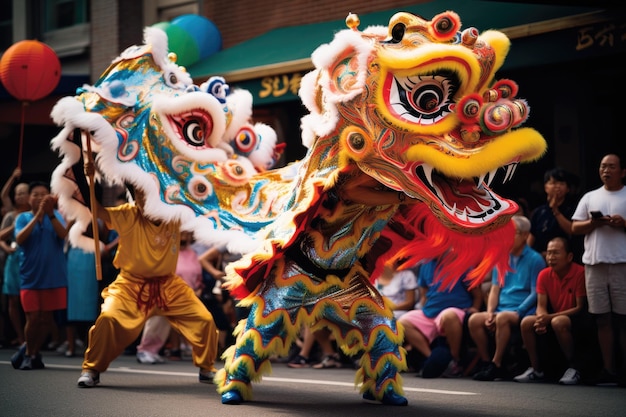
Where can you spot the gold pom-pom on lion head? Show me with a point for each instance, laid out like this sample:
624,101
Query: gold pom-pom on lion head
416,106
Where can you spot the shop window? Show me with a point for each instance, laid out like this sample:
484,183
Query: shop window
61,14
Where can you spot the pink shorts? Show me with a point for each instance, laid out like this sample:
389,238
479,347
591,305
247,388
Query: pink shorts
430,328
44,300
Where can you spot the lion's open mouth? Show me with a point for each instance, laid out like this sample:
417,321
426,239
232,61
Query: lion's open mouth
468,202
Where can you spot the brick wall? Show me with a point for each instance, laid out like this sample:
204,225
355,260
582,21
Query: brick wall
245,19
115,25
104,36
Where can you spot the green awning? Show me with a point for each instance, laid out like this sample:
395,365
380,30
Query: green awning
284,53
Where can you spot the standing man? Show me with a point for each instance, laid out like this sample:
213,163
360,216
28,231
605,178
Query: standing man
553,218
600,217
40,233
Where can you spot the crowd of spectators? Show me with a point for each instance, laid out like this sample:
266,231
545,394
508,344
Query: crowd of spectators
559,314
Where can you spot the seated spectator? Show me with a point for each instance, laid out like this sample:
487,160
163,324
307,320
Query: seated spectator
561,301
398,287
507,304
442,315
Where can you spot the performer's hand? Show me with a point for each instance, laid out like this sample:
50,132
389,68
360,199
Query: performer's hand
90,169
17,172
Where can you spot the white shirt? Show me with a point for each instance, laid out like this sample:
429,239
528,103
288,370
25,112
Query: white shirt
604,244
395,290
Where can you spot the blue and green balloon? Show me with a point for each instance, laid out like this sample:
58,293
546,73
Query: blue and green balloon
192,38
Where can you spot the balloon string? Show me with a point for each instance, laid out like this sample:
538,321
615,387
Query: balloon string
19,155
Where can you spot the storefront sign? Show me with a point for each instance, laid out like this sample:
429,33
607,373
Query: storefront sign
570,45
273,89
607,35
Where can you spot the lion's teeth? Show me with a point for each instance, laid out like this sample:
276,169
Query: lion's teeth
513,170
451,210
481,179
510,171
463,215
428,173
492,175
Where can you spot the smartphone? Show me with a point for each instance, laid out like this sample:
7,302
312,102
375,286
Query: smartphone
596,214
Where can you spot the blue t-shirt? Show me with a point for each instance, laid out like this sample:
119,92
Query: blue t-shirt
438,300
42,260
519,290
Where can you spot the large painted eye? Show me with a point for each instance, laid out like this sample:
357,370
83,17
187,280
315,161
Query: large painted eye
193,133
426,99
193,128
422,99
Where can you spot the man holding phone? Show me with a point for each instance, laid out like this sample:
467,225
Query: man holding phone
596,214
600,216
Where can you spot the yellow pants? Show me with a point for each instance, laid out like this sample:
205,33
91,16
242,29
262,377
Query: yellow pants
121,320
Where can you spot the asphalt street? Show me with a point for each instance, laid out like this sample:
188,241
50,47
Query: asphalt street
172,389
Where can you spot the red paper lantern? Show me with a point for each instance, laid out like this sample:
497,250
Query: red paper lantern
30,70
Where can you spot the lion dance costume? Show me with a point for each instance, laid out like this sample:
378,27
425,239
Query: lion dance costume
412,107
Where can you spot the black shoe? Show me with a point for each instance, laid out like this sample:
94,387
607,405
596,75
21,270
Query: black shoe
437,363
605,379
490,373
18,357
479,367
175,355
37,363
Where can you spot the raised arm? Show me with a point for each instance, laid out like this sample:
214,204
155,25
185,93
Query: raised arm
5,194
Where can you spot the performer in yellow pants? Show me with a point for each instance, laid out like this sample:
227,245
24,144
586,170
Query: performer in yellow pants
146,285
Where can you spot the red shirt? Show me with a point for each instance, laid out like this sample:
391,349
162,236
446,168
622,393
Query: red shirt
562,292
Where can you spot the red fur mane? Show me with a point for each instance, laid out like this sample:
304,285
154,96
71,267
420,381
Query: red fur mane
416,236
